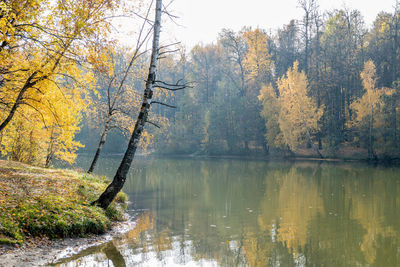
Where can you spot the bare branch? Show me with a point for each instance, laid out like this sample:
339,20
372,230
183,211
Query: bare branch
170,16
58,86
154,124
70,77
37,110
167,51
169,88
136,54
12,71
172,87
169,84
163,104
168,45
167,5
37,89
151,22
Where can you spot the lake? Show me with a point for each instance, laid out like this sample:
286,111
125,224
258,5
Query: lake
220,212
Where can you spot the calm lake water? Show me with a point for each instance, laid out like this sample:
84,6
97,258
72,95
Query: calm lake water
214,212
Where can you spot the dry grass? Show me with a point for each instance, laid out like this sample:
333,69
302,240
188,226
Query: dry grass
37,201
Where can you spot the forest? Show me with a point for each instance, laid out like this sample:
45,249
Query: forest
264,147
325,86
322,86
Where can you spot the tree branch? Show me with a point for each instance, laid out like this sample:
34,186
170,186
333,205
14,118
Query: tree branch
154,124
163,104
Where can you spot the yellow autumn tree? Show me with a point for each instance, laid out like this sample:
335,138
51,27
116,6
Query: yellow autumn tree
45,127
64,120
299,115
270,113
45,44
294,111
258,67
15,18
257,62
43,90
369,109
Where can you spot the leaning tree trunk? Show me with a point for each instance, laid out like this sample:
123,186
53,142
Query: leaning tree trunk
99,147
119,179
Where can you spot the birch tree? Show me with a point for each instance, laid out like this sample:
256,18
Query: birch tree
119,179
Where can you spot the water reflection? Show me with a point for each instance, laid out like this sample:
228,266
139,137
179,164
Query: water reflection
237,213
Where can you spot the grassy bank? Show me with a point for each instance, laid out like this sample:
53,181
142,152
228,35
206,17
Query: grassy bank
54,203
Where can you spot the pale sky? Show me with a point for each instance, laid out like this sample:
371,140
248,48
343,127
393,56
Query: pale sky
202,20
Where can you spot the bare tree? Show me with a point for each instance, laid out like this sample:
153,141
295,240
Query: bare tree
115,104
236,51
309,7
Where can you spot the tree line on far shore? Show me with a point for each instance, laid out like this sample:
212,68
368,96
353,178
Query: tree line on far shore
325,85
325,82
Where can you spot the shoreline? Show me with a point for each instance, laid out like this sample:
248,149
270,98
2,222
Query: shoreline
302,155
45,214
44,252
394,161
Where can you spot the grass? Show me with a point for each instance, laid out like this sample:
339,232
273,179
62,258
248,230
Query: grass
55,203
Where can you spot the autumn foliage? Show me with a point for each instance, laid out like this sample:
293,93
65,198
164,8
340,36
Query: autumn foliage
45,80
293,113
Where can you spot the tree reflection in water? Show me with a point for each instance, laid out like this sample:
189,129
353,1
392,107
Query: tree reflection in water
236,213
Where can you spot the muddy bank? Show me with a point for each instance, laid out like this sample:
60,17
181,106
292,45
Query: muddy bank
44,252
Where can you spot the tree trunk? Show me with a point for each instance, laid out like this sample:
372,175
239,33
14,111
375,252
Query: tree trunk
265,147
370,141
311,141
119,179
99,147
242,80
28,84
246,146
319,141
313,145
50,150
394,115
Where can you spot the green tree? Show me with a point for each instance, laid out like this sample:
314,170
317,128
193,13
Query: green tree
342,45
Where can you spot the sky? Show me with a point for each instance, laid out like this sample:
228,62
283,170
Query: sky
202,20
